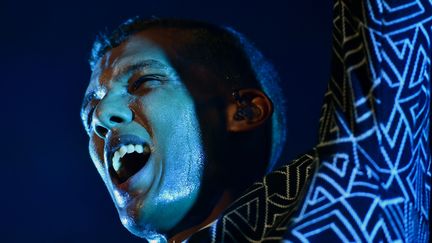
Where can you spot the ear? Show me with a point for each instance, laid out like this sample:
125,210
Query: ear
248,109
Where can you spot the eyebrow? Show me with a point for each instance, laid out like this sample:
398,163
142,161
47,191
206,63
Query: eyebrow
149,63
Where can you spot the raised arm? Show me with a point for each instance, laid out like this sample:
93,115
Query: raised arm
373,181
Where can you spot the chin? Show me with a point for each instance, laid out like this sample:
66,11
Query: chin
142,229
146,218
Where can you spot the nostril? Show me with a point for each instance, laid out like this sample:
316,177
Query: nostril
101,131
116,119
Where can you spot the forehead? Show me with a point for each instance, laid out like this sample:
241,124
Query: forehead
195,65
145,49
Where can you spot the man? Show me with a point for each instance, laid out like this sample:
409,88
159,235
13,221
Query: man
174,113
183,117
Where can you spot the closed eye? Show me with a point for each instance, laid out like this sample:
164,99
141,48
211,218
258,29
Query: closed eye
147,82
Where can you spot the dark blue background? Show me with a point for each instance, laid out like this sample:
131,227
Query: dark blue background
50,190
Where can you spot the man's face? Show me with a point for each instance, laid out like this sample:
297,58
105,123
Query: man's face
144,135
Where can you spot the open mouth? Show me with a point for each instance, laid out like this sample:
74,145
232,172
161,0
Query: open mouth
127,160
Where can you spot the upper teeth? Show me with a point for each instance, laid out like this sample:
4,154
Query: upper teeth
127,149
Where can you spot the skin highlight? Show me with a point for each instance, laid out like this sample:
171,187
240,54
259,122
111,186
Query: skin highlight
137,95
140,201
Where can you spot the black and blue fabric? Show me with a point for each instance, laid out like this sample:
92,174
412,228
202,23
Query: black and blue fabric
368,179
373,182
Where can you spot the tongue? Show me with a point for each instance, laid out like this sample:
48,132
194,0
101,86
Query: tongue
130,165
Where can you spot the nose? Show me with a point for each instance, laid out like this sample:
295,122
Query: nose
112,111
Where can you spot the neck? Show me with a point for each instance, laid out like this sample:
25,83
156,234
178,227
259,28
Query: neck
217,210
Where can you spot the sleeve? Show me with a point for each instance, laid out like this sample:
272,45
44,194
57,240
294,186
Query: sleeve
373,180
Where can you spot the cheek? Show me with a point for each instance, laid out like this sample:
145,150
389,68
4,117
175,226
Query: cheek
169,109
173,119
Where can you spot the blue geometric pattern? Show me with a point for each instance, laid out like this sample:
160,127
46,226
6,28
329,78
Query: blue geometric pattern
373,181
369,177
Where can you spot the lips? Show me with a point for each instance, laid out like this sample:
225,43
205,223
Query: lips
126,155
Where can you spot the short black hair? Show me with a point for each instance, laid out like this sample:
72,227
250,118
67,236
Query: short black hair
213,36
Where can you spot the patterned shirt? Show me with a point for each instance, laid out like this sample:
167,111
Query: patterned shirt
369,177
